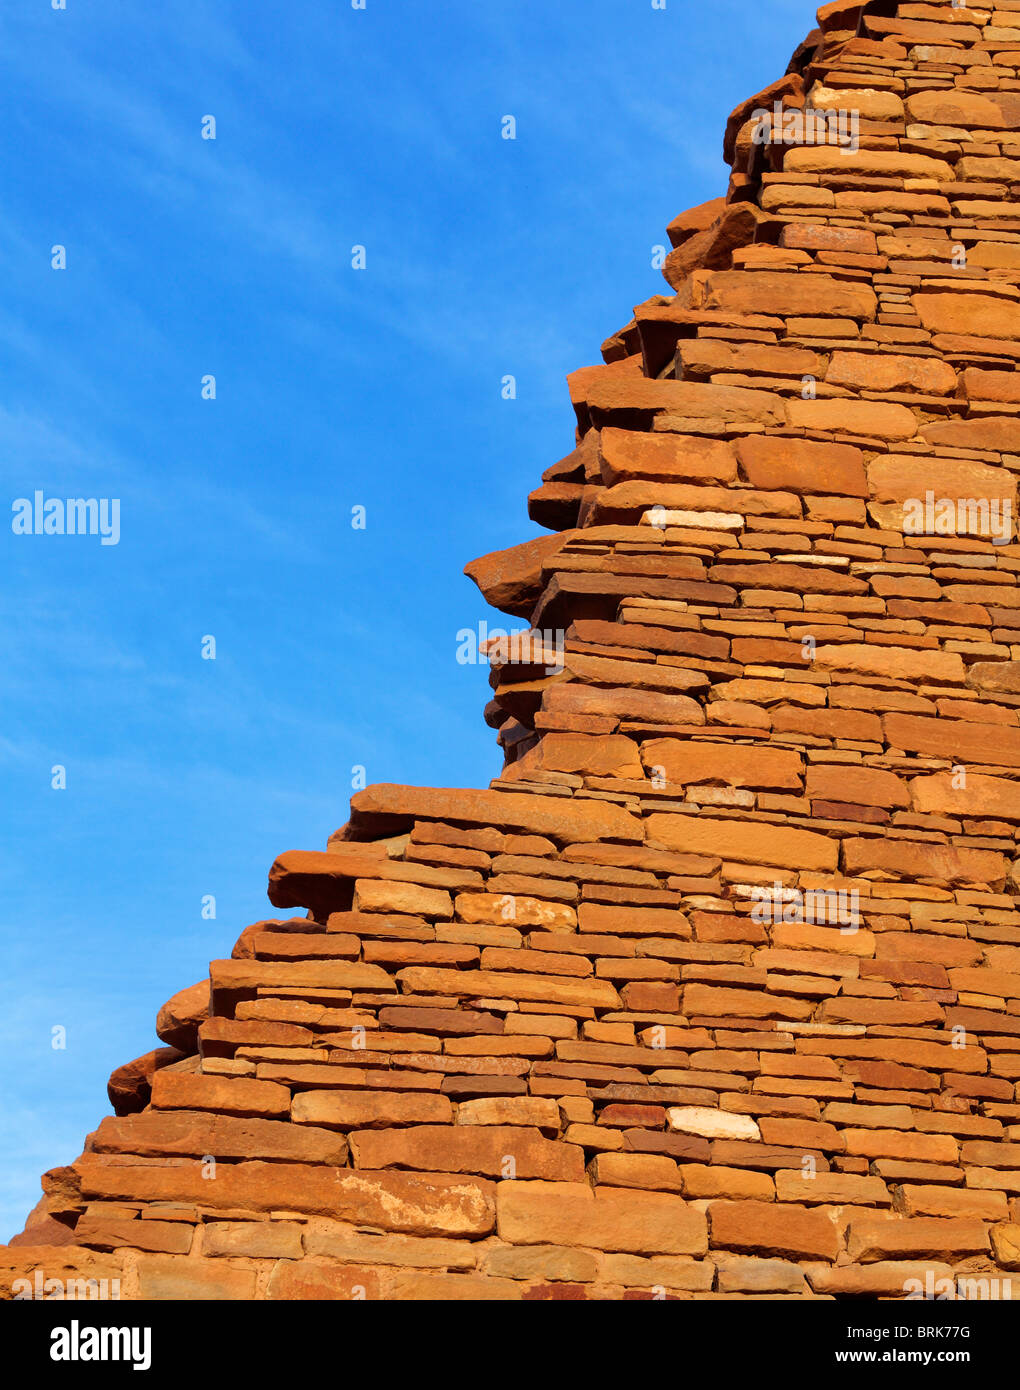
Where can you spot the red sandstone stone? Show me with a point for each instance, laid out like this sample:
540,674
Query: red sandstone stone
179,1019
782,1229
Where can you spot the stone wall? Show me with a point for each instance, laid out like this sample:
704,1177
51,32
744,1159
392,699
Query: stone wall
715,992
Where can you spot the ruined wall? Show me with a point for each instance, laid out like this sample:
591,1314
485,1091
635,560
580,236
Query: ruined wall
716,990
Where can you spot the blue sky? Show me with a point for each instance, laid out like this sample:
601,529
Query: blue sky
335,388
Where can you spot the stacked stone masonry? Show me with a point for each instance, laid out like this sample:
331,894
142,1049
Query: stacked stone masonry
715,992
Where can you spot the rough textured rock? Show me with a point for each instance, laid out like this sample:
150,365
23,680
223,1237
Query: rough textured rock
716,987
178,1021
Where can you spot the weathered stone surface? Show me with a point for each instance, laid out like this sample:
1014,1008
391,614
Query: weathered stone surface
514,909
189,1280
254,1240
511,580
629,704
178,1021
776,292
689,764
900,488
802,465
511,1110
982,315
649,1172
943,794
747,842
489,1151
638,1223
902,663
782,1230
875,163
874,1238
409,898
174,1090
740,1274
411,1203
888,1279
909,859
196,1133
490,984
347,1110
548,1262
572,821
130,1086
611,755
669,458
712,1124
79,1273
832,1188
956,740
956,108
871,371
859,785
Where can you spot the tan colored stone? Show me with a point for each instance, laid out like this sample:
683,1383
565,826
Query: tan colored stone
712,1124
900,663
871,371
672,458
745,841
980,315
782,1229
412,1203
825,159
928,1199
610,1219
834,1189
548,1262
777,292
347,1110
496,1152
514,910
174,1090
704,1001
871,103
872,1239
887,1279
254,1240
323,1281
650,1172
878,419
907,496
532,1111
942,794
969,868
340,1241
955,108
178,1021
487,984
802,465
371,895
861,786
186,1279
701,1181
571,820
688,763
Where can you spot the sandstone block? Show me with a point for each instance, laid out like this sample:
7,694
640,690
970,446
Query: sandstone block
609,1219
496,1151
347,1110
783,1230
